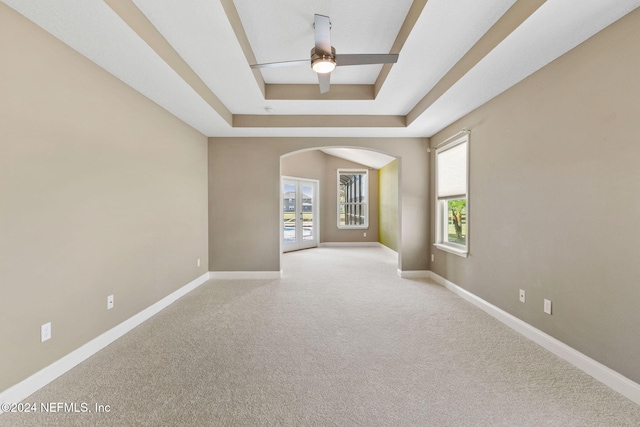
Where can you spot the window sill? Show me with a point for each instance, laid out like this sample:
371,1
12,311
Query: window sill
447,248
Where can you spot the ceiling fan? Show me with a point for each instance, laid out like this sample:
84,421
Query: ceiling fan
324,58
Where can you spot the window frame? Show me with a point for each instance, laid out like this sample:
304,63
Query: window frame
441,203
364,204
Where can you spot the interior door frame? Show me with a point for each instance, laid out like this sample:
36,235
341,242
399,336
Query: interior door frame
316,214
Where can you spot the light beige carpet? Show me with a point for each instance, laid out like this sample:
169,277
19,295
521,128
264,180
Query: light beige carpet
340,340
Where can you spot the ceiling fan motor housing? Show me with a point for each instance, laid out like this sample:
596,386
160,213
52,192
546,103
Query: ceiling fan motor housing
323,62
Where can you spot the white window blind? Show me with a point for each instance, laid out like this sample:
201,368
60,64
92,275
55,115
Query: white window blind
452,171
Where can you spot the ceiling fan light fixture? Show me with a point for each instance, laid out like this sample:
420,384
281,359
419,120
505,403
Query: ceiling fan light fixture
323,63
323,66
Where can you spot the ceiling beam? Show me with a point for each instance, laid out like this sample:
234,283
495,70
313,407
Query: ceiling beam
512,19
312,92
407,27
139,23
316,121
234,19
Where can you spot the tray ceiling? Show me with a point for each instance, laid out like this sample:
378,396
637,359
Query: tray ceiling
192,57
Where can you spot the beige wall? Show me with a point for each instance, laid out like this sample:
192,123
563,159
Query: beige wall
388,202
309,164
554,180
314,164
101,192
239,240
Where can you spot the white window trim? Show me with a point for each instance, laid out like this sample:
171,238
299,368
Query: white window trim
441,215
366,203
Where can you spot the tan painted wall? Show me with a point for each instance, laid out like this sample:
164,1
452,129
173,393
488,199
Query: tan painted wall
388,202
241,241
101,192
554,180
306,164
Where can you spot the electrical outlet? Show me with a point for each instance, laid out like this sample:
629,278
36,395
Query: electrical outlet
109,302
547,306
45,332
198,263
433,257
522,296
365,234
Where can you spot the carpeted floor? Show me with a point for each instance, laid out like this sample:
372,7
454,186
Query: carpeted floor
340,340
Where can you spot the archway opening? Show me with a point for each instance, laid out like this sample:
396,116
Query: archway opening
323,164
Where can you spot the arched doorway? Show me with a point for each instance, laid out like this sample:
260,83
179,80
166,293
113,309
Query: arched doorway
322,165
247,238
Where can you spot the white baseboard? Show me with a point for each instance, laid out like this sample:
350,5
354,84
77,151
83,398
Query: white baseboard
354,244
27,387
388,249
414,274
234,275
609,377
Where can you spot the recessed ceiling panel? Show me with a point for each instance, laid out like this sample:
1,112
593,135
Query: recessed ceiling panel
201,33
444,33
556,28
94,30
282,33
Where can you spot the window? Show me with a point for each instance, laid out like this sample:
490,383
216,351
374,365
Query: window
452,182
353,198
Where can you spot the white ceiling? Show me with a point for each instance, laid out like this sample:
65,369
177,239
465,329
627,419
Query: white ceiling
369,158
288,34
204,36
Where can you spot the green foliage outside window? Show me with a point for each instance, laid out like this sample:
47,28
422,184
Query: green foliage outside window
457,221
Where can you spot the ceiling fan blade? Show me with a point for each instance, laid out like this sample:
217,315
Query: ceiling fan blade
367,58
324,79
282,64
322,27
